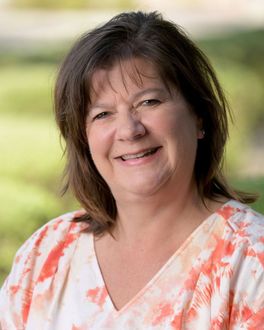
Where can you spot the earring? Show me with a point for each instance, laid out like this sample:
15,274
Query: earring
202,134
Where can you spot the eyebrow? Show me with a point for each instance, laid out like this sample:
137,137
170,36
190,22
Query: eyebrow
149,90
134,97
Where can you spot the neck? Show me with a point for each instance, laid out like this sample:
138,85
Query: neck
158,217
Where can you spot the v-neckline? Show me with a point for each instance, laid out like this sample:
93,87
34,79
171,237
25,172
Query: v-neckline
179,251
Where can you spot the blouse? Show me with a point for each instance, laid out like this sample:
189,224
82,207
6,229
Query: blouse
215,280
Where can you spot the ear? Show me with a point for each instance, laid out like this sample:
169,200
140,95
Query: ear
200,129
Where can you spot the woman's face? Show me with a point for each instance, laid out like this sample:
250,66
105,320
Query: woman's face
142,138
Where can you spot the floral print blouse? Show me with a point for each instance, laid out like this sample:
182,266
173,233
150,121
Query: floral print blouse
215,280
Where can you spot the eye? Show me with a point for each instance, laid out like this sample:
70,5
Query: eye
151,102
101,115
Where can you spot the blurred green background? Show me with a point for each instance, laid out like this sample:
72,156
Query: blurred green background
31,151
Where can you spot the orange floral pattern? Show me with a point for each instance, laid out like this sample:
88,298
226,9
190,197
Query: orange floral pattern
214,281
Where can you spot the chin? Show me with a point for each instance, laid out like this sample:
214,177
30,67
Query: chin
144,189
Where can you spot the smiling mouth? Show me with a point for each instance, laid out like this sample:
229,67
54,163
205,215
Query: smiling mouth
140,154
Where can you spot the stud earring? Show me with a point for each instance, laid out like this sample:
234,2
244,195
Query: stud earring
201,134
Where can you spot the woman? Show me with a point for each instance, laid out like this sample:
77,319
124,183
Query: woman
163,242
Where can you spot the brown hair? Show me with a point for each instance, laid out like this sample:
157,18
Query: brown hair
180,63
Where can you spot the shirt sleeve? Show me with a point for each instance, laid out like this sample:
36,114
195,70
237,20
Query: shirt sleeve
252,301
35,261
256,321
248,301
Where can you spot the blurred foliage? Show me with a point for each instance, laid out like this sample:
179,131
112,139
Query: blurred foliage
32,87
239,61
30,174
254,185
73,4
31,162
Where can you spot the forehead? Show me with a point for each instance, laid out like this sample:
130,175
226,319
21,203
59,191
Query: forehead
134,72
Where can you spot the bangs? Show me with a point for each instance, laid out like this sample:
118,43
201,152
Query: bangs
99,79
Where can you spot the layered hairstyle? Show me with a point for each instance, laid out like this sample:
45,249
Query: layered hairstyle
180,64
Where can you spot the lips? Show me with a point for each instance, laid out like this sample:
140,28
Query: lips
140,154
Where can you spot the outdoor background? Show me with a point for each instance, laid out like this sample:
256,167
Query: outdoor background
34,37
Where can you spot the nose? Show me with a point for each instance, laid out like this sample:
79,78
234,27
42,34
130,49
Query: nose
130,127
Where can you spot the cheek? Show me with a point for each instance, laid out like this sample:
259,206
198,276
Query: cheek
169,125
99,141
161,123
183,134
97,151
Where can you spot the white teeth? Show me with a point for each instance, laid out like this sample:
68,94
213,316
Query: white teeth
139,155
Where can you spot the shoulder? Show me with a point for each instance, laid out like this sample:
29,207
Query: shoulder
243,263
242,243
48,241
36,263
56,230
244,222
